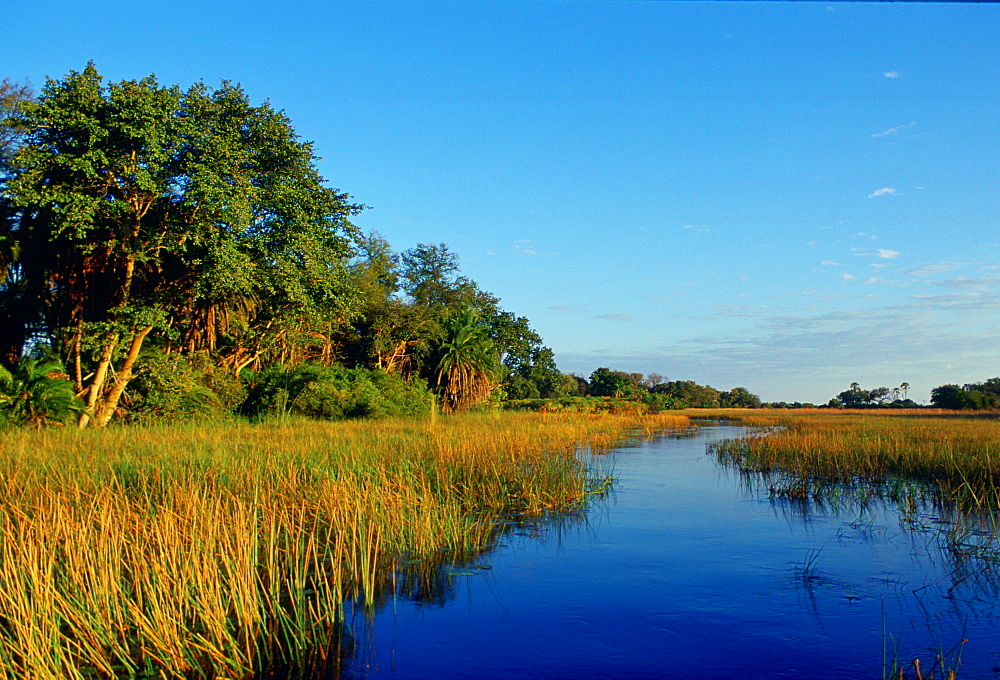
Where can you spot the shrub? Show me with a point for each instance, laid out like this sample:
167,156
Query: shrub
37,393
334,393
174,387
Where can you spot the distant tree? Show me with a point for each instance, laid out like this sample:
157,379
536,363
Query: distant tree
607,383
879,395
582,386
990,386
430,277
741,397
980,396
653,379
691,393
952,397
904,388
855,397
569,385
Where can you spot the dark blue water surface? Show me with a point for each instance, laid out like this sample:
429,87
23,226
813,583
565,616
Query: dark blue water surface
683,571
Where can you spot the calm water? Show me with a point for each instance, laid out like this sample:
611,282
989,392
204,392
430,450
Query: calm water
685,572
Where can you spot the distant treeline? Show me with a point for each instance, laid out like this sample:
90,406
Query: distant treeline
971,396
658,392
879,397
978,396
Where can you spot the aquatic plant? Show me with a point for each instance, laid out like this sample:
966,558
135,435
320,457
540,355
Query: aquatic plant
956,458
231,550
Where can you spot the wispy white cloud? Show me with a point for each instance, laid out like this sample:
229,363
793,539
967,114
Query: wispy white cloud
848,277
981,283
891,74
697,228
884,191
931,269
525,247
882,253
809,354
894,130
830,263
616,317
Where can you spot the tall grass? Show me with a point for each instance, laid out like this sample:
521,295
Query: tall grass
230,550
959,457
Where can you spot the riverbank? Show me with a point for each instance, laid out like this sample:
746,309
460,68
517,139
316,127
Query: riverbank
224,550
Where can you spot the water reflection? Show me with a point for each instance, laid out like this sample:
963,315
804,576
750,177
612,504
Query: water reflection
691,569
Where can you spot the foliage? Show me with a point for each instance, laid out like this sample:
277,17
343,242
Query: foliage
334,393
172,387
607,383
972,396
468,366
740,397
879,397
11,125
147,211
690,393
37,393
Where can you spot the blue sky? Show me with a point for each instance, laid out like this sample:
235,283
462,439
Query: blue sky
784,196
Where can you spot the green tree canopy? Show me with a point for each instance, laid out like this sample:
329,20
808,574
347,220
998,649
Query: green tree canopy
190,215
607,383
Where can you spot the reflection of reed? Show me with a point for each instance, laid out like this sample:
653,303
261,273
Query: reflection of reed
225,550
963,542
434,580
939,473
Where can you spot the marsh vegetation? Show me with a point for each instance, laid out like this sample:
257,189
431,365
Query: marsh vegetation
228,550
937,463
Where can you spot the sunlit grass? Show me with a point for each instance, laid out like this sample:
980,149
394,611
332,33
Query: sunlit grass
956,455
223,550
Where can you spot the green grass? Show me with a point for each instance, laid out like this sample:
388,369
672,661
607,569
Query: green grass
956,457
222,551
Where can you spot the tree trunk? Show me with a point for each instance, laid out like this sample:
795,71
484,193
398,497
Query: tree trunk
124,376
100,376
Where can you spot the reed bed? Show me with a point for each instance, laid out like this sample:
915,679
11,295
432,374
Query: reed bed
956,456
230,550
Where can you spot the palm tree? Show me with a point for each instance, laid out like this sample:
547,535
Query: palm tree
905,387
469,364
38,392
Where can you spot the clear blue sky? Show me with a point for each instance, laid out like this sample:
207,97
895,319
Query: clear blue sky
784,196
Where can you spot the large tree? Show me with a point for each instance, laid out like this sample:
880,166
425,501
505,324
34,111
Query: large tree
141,210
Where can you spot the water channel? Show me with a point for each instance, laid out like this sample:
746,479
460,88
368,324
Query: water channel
683,571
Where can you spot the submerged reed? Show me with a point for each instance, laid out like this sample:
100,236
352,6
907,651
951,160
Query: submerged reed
957,457
229,550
